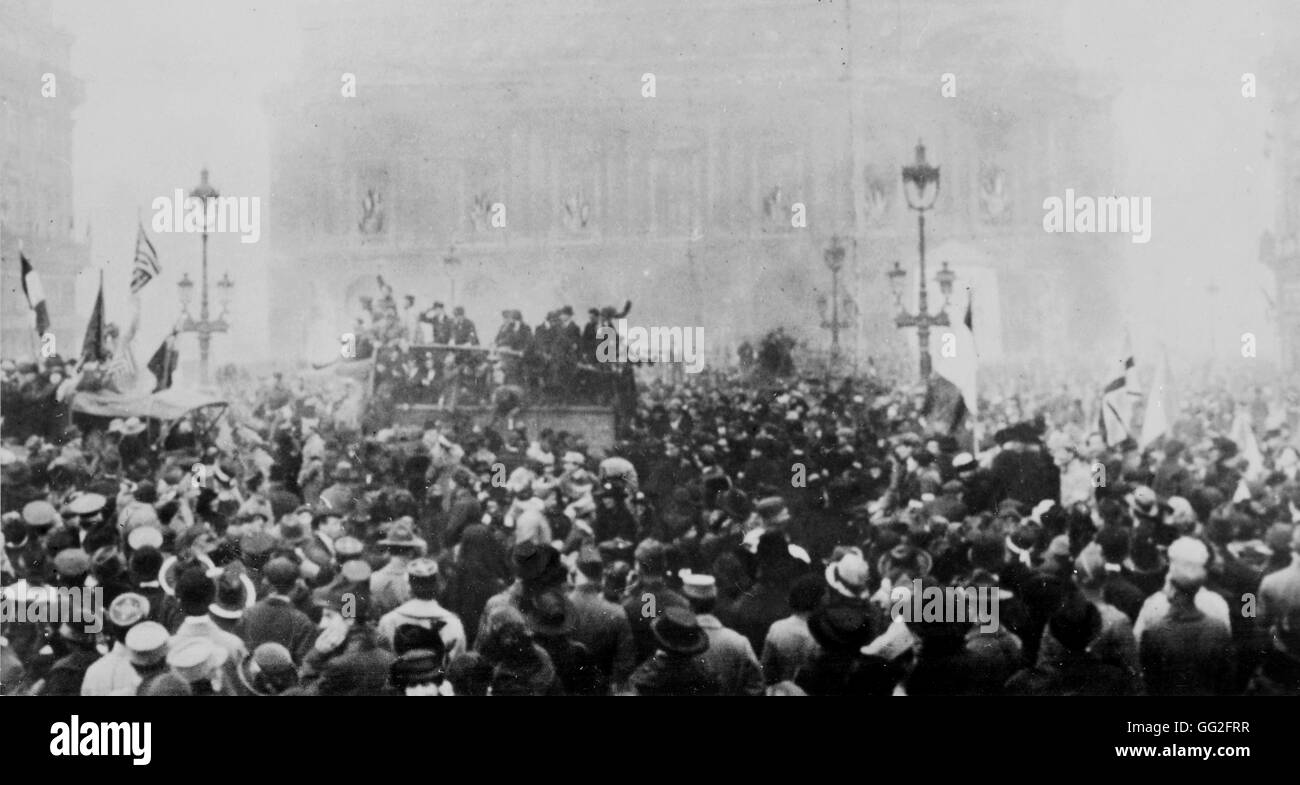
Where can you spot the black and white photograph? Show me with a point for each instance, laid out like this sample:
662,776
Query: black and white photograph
685,348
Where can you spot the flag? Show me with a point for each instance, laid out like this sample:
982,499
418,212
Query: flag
145,267
1117,403
94,347
1161,408
1243,433
35,294
163,363
951,389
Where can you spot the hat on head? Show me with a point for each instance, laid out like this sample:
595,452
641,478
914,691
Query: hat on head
132,426
1187,559
256,542
770,507
1143,496
574,457
534,562
195,659
417,666
849,575
86,504
551,615
422,568
72,563
138,513
269,670
40,514
347,547
128,609
906,557
356,570
566,310
144,537
589,558
232,595
696,586
677,631
280,572
841,627
147,642
402,535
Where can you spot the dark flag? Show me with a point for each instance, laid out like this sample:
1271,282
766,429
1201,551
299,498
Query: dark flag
163,363
94,347
35,294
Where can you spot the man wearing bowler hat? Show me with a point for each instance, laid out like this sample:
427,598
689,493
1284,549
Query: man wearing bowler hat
676,667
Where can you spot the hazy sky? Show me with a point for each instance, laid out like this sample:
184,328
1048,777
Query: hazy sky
173,85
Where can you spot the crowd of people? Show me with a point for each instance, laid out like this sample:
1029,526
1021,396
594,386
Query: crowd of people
737,539
429,356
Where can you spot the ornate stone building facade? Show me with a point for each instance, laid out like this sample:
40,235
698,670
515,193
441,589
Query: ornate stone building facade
36,208
585,153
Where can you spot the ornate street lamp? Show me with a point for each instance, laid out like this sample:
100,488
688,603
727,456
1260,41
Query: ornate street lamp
204,326
834,259
921,187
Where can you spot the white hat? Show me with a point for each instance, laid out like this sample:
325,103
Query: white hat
194,659
849,575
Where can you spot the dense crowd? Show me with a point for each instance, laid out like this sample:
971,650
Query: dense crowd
737,539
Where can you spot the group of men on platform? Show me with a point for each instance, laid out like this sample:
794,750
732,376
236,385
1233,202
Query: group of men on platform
428,354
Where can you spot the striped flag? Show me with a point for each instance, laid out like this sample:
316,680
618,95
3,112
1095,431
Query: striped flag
35,294
145,267
1117,401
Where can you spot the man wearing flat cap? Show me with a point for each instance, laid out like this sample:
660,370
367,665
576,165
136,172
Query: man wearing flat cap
599,624
730,655
114,671
423,609
274,619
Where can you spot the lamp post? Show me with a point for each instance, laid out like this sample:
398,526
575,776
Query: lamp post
834,259
205,326
921,186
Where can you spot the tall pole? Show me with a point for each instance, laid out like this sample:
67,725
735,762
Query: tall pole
205,337
835,316
923,327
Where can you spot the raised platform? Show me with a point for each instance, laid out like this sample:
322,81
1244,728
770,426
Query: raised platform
596,424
